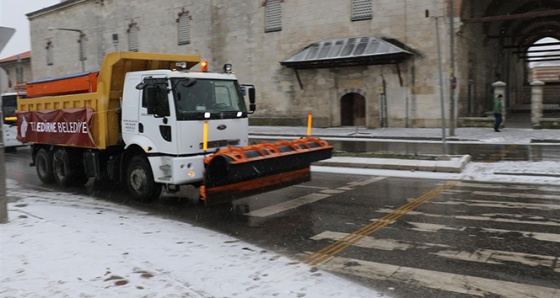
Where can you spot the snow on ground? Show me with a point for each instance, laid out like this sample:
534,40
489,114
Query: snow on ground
65,245
538,172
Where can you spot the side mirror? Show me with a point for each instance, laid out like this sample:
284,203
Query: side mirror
252,100
249,90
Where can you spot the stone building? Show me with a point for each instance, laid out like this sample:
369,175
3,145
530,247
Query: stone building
383,63
18,71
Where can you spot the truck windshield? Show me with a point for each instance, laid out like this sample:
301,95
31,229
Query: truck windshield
217,99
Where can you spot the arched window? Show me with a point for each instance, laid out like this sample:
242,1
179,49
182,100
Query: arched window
184,27
49,47
82,41
133,36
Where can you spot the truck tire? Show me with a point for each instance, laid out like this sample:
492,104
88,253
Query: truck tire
43,165
62,168
140,180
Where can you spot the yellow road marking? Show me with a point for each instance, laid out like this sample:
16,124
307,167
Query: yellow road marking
496,157
345,242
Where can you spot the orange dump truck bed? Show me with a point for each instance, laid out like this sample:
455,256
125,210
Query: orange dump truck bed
83,82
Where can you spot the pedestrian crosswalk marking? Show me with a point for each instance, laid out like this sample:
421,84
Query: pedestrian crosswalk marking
288,205
328,258
508,195
500,204
429,227
340,245
488,256
310,198
457,283
508,187
491,217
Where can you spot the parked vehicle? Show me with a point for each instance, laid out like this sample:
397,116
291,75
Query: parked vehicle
147,120
9,120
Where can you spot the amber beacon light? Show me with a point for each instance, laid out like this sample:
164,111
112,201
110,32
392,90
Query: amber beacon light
204,65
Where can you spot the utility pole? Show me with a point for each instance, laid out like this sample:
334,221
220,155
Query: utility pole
5,35
3,198
452,80
442,98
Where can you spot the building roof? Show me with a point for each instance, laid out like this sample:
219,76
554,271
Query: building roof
351,51
14,58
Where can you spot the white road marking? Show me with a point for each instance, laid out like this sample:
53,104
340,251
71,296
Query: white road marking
500,204
292,204
508,195
427,227
499,257
480,255
310,198
464,284
508,187
492,217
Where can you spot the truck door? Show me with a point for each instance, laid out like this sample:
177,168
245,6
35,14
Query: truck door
157,121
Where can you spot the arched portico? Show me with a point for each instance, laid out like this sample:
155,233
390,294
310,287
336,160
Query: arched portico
500,37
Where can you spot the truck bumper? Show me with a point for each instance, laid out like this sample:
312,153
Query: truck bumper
177,170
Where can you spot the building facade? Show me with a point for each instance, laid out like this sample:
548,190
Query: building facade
17,71
447,72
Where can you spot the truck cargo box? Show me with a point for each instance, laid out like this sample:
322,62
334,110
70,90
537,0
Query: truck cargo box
83,82
105,95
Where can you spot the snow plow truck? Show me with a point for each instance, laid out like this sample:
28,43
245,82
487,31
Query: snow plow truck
151,122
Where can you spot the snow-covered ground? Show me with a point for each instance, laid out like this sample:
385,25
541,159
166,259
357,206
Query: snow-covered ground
64,245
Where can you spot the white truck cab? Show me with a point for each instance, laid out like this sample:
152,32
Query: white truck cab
165,112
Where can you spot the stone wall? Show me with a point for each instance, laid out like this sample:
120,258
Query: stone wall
232,31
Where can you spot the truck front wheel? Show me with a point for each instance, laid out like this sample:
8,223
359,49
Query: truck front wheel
140,180
43,165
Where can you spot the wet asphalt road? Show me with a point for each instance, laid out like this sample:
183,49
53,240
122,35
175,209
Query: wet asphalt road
403,237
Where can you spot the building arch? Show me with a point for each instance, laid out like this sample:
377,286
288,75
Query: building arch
353,108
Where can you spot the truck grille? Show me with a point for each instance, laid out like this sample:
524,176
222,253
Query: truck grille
221,143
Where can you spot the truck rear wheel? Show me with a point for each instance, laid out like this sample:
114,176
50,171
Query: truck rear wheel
140,180
43,165
62,169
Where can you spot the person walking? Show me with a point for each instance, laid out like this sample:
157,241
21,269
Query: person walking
498,107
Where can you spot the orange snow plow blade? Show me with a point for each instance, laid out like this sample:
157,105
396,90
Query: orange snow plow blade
233,173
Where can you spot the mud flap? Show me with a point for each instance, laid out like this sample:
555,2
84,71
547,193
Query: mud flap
233,173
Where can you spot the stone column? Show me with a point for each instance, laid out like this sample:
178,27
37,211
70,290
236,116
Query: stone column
500,88
536,103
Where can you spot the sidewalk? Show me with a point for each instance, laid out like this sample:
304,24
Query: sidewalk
469,134
444,164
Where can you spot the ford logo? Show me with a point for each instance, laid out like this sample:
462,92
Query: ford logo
222,127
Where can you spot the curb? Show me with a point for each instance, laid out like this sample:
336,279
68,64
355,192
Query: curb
454,164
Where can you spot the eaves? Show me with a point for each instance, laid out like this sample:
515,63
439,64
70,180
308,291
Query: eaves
55,8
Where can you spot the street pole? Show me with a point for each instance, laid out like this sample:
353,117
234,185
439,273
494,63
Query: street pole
442,98
3,197
452,82
5,35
